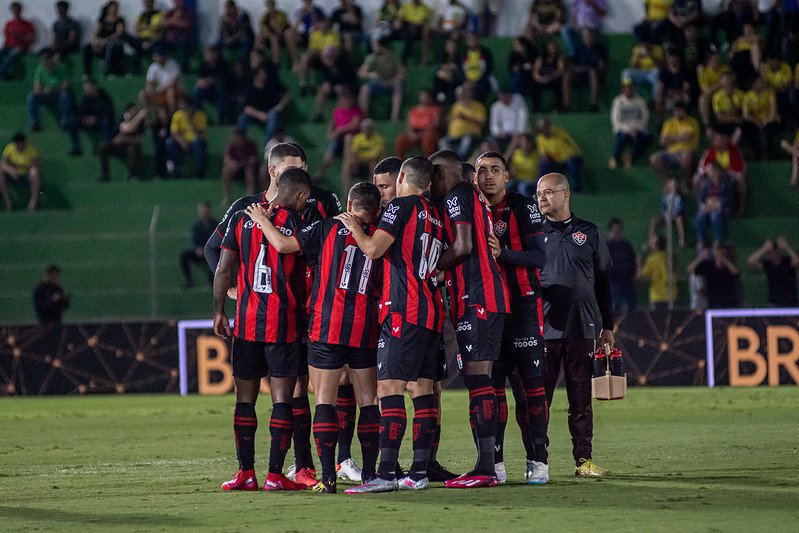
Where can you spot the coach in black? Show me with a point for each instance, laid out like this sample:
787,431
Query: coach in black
577,305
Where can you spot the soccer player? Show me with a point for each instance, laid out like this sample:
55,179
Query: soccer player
268,330
409,239
343,323
478,302
385,179
517,244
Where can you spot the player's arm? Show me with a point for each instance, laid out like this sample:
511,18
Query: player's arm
281,243
602,291
460,248
533,256
211,248
373,246
222,281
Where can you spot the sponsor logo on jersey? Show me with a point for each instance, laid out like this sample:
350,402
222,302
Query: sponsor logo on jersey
390,214
249,224
343,231
500,227
579,237
286,231
525,342
381,343
463,326
535,214
422,215
453,208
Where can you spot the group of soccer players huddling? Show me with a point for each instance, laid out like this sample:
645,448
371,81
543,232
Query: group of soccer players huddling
355,302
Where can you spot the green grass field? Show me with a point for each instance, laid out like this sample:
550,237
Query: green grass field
681,459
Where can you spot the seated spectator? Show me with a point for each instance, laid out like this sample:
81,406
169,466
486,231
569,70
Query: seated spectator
107,40
709,76
673,83
779,261
126,144
508,119
623,270
672,209
549,72
179,31
19,36
682,14
680,139
745,53
761,120
240,162
213,82
779,78
424,122
645,62
451,19
94,114
694,49
337,73
793,151
366,150
66,32
385,19
520,66
477,66
655,24
162,82
323,36
348,21
486,13
187,134
201,230
384,73
305,19
589,63
20,165
523,159
448,77
413,24
545,19
736,15
273,31
584,15
465,123
345,123
721,276
727,105
266,99
49,299
50,88
715,199
235,31
655,270
148,31
559,153
727,155
629,115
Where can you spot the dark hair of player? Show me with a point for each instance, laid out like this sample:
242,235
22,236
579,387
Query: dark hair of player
364,196
468,171
390,165
294,180
493,155
418,171
281,151
449,161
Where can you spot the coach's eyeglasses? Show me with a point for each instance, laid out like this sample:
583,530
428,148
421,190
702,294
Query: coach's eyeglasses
547,193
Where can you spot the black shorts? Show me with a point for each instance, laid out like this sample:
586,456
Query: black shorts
442,372
334,356
405,351
254,360
522,343
479,334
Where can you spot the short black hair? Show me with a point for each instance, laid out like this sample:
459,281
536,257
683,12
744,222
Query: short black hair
293,180
390,165
18,137
660,242
615,222
364,196
418,171
280,151
52,269
467,170
449,161
493,155
62,3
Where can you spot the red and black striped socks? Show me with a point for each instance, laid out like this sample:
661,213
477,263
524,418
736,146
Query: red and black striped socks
537,417
281,427
425,418
345,409
483,415
245,423
325,432
502,422
301,410
393,421
369,437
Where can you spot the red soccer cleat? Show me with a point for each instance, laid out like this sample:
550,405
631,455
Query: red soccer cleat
306,477
244,480
281,482
471,481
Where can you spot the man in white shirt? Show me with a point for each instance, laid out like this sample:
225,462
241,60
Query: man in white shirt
629,116
163,78
508,118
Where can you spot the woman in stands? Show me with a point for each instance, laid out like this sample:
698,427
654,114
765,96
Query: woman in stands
107,39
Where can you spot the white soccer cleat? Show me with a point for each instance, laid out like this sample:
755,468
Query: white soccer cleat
407,483
502,474
292,472
376,485
537,473
349,471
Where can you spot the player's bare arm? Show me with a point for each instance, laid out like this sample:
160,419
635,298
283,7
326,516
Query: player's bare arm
281,243
458,251
222,281
373,246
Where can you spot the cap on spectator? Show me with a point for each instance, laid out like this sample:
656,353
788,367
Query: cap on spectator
627,81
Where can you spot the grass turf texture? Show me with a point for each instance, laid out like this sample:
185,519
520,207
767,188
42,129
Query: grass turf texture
682,459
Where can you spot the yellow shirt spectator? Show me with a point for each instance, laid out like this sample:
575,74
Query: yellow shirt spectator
466,119
711,76
675,126
657,9
524,166
725,104
779,78
368,148
758,104
415,13
656,270
21,160
319,40
559,146
646,58
152,30
188,127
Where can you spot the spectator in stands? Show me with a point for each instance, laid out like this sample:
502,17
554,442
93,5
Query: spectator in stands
466,120
672,209
629,115
655,24
709,76
508,119
413,24
779,261
520,66
323,36
727,155
451,19
187,134
162,82
477,67
793,151
273,31
345,123
549,72
385,20
778,76
585,15
736,16
524,161
655,270
745,54
305,19
125,144
49,299
337,73
148,31
589,63
623,272
20,164
680,139
213,84
107,40
179,31
545,19
367,149
673,83
266,99
50,88
694,49
559,153
697,287
761,119
448,77
682,14
727,106
721,276
19,36
235,30
487,13
66,31
348,20
240,162
383,73
715,199
645,62
201,230
94,114
424,123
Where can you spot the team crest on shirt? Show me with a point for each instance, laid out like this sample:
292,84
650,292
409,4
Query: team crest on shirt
500,227
579,237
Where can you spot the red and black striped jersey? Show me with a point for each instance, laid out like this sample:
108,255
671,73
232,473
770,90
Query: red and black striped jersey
409,288
321,204
477,280
270,306
343,302
517,225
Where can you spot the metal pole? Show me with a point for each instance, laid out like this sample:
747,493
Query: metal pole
154,263
670,257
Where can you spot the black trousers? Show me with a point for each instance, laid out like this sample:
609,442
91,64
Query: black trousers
186,259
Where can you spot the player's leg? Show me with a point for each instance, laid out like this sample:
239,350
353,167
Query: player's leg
435,470
324,368
301,410
346,410
364,380
499,374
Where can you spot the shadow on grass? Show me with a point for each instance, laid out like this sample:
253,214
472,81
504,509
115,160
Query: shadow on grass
54,516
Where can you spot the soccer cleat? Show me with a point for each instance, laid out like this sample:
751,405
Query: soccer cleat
471,481
280,482
537,473
376,485
502,474
305,476
407,483
349,471
244,480
291,472
325,487
588,468
436,472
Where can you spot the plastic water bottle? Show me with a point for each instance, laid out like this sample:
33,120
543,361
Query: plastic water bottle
600,363
616,363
